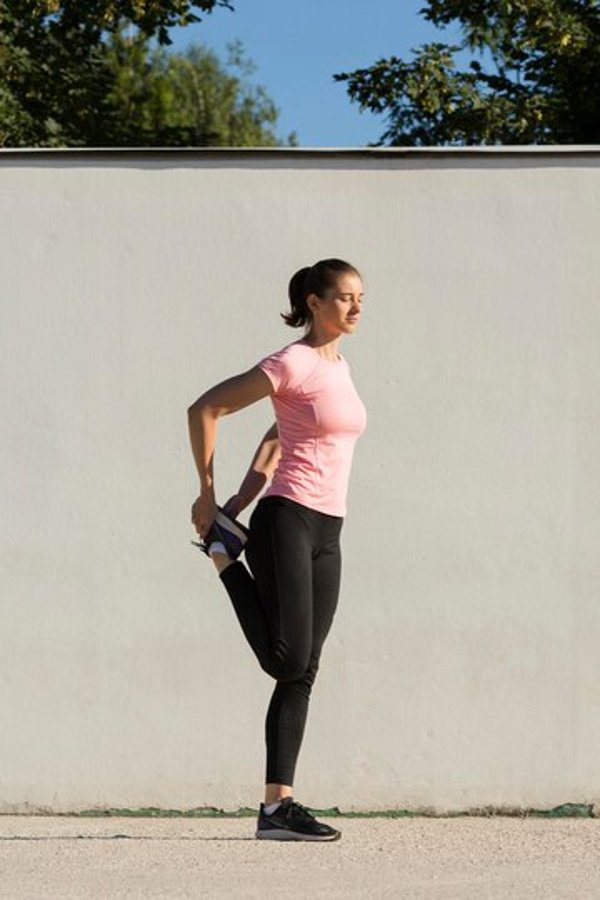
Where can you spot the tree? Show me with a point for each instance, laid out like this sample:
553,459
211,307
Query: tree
69,76
545,89
169,99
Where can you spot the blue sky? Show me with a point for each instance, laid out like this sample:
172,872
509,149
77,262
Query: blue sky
296,48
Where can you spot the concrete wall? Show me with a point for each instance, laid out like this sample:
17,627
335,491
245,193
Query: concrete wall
462,668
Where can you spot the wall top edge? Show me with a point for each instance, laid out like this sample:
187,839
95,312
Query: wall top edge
477,150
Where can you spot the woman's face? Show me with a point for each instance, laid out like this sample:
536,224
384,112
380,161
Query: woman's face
339,312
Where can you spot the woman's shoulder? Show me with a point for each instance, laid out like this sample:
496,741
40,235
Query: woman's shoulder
290,352
288,365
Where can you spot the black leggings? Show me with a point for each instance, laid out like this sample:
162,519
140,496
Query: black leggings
286,611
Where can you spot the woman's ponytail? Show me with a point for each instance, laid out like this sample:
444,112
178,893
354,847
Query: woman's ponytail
297,294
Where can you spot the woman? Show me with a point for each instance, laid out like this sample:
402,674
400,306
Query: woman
286,606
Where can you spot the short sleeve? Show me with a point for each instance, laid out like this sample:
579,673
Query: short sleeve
277,368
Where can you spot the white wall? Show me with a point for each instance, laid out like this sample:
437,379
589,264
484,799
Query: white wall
462,667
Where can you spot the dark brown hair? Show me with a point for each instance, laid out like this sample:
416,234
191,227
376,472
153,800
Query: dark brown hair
317,280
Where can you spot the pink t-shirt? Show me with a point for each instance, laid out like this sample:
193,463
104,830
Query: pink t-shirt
319,416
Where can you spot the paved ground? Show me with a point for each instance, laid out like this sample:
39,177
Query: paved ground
499,857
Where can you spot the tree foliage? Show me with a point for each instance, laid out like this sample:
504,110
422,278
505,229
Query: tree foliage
544,90
186,99
85,74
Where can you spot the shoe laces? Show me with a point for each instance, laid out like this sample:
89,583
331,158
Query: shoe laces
297,810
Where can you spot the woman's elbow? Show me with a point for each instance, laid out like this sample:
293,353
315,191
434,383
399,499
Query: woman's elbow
201,405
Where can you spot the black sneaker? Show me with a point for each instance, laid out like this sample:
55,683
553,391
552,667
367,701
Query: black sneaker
232,534
292,822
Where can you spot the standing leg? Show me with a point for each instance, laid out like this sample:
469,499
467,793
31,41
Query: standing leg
288,709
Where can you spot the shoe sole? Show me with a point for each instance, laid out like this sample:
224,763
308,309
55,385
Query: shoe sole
282,834
237,529
233,542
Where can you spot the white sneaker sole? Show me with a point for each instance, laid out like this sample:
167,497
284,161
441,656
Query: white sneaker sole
282,834
230,525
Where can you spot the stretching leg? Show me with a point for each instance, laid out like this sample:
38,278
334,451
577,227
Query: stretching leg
274,603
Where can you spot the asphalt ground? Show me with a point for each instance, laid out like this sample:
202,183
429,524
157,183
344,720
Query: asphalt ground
485,857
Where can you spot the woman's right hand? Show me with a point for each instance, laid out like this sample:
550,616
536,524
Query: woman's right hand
204,510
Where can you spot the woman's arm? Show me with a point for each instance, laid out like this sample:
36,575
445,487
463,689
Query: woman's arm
261,468
228,396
